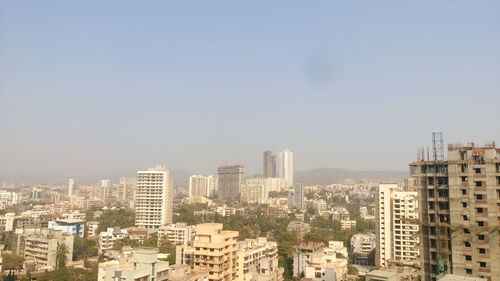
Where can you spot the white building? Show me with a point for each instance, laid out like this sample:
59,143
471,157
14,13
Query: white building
201,186
71,226
178,234
361,246
140,265
255,191
153,200
107,238
92,227
328,265
71,185
397,225
258,260
8,198
285,166
105,189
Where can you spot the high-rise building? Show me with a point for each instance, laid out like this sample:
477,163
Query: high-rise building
255,190
269,164
201,186
296,198
397,226
230,179
105,188
285,166
71,185
459,211
153,200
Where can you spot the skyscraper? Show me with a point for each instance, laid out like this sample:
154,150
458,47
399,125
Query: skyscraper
285,166
71,185
397,226
153,201
269,167
230,179
460,214
201,186
105,187
296,197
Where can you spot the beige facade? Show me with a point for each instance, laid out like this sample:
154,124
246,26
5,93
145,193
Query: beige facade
258,260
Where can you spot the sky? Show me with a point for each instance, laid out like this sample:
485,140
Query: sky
91,87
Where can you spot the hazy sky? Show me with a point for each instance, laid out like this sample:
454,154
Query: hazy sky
103,86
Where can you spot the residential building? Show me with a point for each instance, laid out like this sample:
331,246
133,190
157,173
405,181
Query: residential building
361,247
107,238
92,227
285,166
183,272
459,210
105,190
154,195
255,191
258,260
140,265
269,167
71,186
296,198
330,264
178,234
230,179
39,246
214,250
72,226
201,186
302,254
397,227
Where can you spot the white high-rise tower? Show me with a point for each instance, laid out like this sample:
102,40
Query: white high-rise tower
153,199
71,185
285,166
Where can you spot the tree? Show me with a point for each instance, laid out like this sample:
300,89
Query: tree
61,255
167,247
12,262
65,274
111,218
84,248
126,241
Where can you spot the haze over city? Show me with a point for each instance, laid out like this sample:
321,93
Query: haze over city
101,87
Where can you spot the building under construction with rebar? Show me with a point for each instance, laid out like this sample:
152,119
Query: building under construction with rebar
459,210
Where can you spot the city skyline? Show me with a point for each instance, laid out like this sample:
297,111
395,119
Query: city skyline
343,85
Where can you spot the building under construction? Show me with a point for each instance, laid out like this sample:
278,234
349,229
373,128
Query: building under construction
460,210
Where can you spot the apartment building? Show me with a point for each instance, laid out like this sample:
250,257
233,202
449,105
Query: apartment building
397,230
460,212
153,201
71,226
230,179
178,234
201,186
214,250
258,260
39,246
330,264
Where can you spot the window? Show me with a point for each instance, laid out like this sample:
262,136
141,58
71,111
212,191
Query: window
464,179
479,196
479,183
479,210
481,237
465,217
481,250
482,264
466,230
477,170
468,271
468,258
464,191
467,244
480,223
464,204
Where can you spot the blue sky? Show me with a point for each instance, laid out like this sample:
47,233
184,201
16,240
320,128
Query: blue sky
104,86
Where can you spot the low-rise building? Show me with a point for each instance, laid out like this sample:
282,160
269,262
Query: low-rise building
258,260
302,254
140,265
178,234
92,227
107,238
39,246
72,226
362,245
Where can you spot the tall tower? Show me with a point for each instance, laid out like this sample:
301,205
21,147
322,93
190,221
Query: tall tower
285,166
397,226
153,200
105,188
230,179
269,167
296,198
71,185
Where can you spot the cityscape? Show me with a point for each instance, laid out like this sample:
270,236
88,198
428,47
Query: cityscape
250,140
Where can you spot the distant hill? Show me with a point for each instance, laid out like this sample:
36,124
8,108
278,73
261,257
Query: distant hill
325,176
